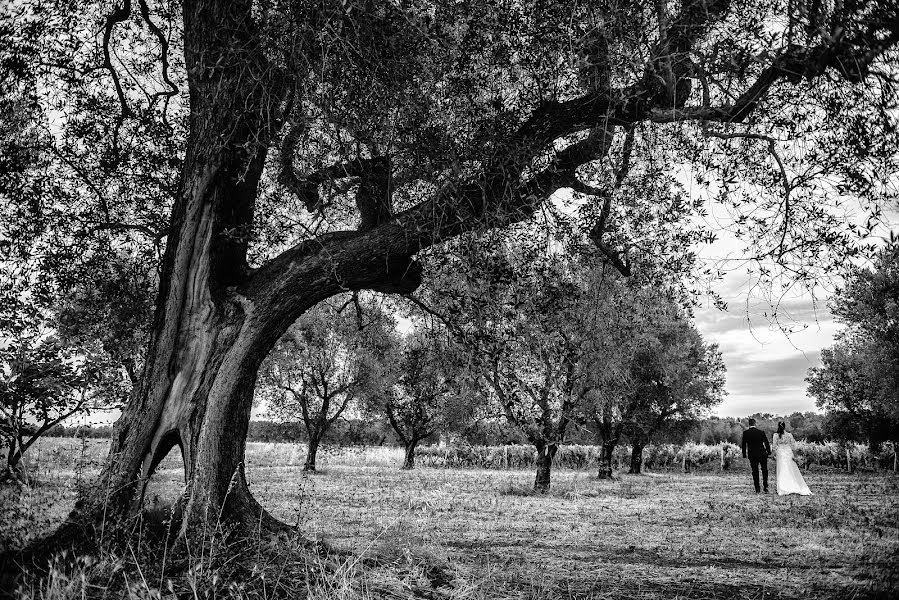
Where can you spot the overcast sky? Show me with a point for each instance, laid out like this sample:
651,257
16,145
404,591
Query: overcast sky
766,367
767,359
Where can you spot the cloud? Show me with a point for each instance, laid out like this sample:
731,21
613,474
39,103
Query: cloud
768,352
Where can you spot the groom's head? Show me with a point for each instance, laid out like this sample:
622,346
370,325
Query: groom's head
752,422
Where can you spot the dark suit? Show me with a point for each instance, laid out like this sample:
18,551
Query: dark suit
755,446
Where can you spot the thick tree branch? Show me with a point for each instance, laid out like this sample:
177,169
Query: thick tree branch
381,258
118,15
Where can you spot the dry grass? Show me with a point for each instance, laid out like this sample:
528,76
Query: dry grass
650,536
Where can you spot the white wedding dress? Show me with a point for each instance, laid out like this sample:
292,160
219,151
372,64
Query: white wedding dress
789,479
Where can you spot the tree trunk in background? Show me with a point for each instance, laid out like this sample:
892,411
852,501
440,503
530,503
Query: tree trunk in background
545,454
637,458
409,461
311,452
607,452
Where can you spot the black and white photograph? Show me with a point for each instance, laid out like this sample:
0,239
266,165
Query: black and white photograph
449,299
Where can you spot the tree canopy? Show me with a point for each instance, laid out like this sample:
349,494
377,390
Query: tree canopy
859,375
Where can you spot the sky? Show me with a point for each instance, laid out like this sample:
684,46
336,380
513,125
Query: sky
767,359
766,366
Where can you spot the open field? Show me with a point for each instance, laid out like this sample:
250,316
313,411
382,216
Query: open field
659,535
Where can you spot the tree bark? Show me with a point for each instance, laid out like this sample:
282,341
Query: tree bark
208,338
311,453
637,458
409,460
545,454
607,452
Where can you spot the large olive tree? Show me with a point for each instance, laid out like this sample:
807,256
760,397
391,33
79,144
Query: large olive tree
282,152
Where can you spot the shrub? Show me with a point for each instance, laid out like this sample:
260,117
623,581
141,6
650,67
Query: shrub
655,456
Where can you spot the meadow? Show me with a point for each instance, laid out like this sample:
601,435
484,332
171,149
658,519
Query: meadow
656,535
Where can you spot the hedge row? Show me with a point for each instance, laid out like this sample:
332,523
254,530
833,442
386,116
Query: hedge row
655,456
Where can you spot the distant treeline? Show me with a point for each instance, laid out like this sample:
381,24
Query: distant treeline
808,426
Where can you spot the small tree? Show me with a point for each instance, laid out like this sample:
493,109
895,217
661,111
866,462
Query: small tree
675,375
420,401
46,376
42,383
318,369
531,323
627,323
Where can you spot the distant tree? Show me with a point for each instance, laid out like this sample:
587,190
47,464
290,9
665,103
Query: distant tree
533,324
319,368
853,382
859,375
424,398
809,426
715,430
625,370
43,383
674,375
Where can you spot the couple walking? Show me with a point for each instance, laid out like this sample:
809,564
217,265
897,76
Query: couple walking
756,447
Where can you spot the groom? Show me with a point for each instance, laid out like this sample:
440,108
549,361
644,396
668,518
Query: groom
755,444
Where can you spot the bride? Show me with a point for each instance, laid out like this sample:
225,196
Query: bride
789,479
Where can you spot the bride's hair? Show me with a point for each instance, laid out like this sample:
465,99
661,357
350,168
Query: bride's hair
781,427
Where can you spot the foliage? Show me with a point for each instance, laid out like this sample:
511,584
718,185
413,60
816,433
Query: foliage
426,397
858,379
325,362
538,330
42,383
673,375
804,426
45,377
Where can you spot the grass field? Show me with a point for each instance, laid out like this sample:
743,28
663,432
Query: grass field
649,536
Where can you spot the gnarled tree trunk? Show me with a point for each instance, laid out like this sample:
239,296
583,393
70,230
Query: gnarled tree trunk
209,336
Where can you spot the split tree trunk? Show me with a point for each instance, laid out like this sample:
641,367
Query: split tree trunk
13,470
208,337
545,454
216,319
637,458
